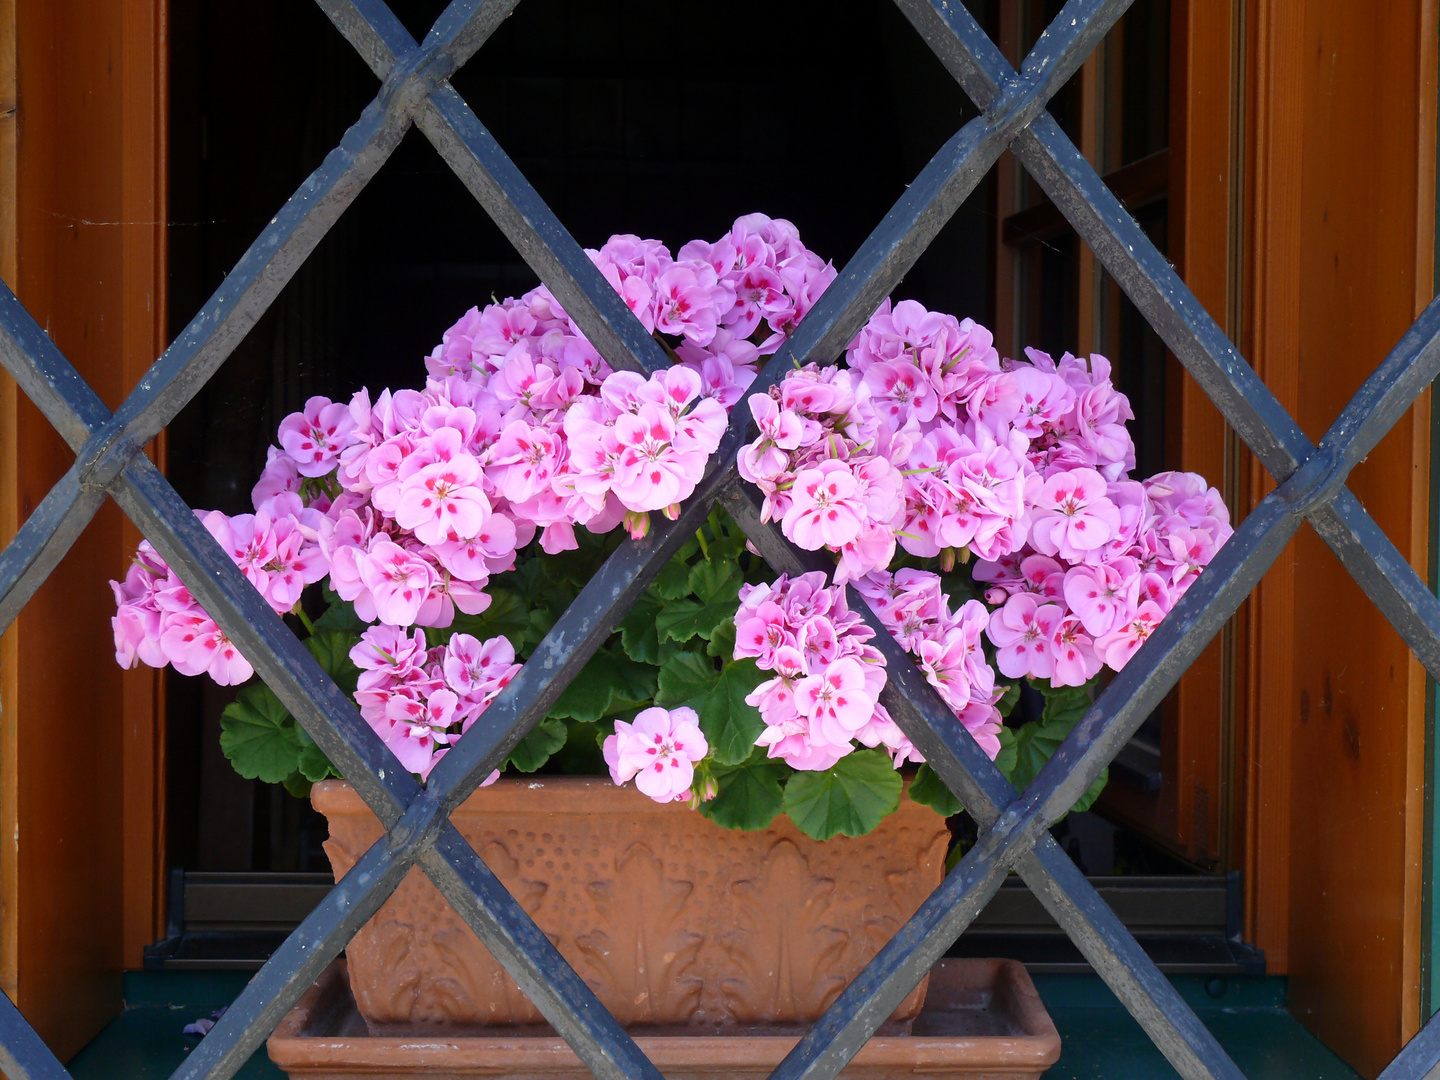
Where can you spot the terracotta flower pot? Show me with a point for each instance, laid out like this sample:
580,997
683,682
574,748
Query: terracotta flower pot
668,917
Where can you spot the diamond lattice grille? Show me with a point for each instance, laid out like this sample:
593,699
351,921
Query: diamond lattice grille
415,90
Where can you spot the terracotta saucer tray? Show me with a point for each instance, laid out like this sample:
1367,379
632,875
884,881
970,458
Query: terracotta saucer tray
982,1019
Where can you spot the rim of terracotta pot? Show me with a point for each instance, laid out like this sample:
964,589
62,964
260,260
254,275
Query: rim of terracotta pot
539,794
517,794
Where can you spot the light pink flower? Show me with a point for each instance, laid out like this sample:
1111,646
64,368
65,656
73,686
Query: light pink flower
196,646
1097,594
835,701
1022,631
315,437
1118,646
398,582
522,461
442,501
1072,516
659,750
1075,657
824,511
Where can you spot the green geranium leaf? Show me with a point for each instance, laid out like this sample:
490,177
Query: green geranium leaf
259,737
314,765
591,693
1066,704
297,785
929,790
730,725
637,686
332,649
688,550
673,582
1035,743
681,620
848,798
686,679
638,635
508,616
713,581
749,796
722,641
535,749
541,620
340,615
1005,760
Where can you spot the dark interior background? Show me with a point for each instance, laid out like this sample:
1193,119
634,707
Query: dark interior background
645,116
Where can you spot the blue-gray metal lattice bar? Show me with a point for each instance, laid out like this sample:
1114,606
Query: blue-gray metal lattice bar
415,89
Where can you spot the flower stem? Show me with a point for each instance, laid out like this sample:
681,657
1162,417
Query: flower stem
300,611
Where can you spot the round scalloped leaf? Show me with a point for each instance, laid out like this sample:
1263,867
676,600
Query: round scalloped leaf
929,790
849,798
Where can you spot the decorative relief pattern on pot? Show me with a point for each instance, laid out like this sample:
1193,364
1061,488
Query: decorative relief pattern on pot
644,961
789,957
668,917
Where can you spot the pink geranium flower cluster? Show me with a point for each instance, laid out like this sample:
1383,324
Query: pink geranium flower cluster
156,619
409,501
658,750
829,467
1066,608
419,700
946,645
932,440
735,299
825,694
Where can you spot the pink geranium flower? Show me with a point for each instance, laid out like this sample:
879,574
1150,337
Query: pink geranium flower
824,511
442,501
398,582
650,473
522,461
1097,594
659,750
196,646
1022,631
1118,646
1072,516
315,437
1075,658
835,701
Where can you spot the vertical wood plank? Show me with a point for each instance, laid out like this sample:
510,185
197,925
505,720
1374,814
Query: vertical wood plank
1354,724
1428,64
1201,178
79,761
143,180
9,515
1271,341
